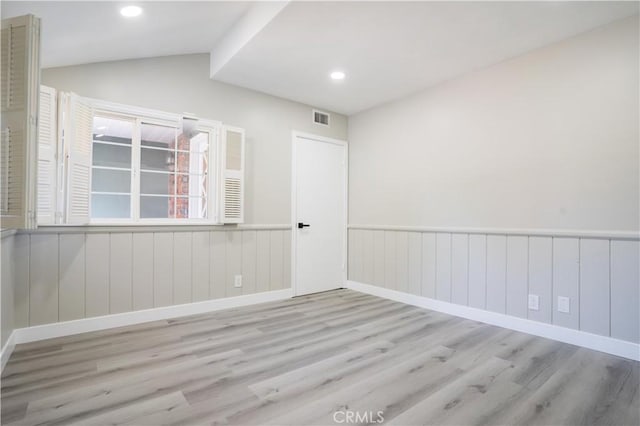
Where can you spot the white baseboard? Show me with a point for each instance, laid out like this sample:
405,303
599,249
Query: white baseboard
596,342
7,349
67,328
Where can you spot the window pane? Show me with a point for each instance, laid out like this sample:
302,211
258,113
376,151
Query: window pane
110,206
156,207
158,136
112,130
106,132
155,159
182,162
111,181
182,208
111,156
181,185
195,163
156,183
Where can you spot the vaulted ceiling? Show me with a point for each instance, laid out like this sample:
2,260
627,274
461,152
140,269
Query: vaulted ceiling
288,49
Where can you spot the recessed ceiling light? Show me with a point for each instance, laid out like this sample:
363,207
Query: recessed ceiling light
131,11
337,75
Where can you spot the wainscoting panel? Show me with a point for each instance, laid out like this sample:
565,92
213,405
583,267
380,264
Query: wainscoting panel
97,267
200,264
72,277
249,261
625,290
414,263
541,276
429,265
367,257
595,303
378,258
234,262
277,261
6,278
496,272
162,269
20,258
142,261
67,275
43,293
460,269
478,271
120,273
263,261
390,254
182,268
402,262
443,267
566,270
517,271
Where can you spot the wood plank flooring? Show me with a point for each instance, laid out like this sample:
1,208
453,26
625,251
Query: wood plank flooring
301,361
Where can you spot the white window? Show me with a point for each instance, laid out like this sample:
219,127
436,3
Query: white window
146,167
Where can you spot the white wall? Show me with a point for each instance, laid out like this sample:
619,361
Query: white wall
181,84
548,140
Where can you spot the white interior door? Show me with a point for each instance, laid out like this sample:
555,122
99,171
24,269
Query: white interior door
319,214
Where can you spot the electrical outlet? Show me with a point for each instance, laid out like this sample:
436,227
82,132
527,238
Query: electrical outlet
534,302
237,281
564,304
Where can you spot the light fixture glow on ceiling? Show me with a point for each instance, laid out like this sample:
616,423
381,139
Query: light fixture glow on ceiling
337,75
131,11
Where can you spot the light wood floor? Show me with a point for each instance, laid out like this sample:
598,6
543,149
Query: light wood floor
299,361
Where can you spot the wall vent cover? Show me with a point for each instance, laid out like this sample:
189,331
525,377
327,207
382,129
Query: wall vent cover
321,118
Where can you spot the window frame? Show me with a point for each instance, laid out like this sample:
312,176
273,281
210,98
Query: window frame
154,117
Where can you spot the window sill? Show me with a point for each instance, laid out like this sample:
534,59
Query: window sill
150,227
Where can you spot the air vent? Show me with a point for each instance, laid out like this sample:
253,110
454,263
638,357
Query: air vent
321,118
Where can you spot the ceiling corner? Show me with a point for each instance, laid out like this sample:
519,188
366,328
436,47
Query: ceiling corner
241,33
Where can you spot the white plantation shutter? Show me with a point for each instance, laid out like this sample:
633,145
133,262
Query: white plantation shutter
47,146
232,203
20,74
78,140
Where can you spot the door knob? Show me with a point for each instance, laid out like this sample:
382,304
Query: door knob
303,225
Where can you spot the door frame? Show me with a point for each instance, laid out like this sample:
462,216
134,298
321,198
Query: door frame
294,202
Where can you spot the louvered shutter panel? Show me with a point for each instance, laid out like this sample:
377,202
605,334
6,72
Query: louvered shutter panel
233,175
20,74
47,146
79,139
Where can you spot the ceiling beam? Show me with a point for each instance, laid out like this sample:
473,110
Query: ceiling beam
251,23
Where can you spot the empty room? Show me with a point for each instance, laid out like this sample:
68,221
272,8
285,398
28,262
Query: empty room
320,213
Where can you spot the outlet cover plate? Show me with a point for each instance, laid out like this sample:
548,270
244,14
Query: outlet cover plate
564,304
534,302
237,282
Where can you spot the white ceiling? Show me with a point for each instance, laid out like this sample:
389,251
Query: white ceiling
391,49
387,49
80,32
